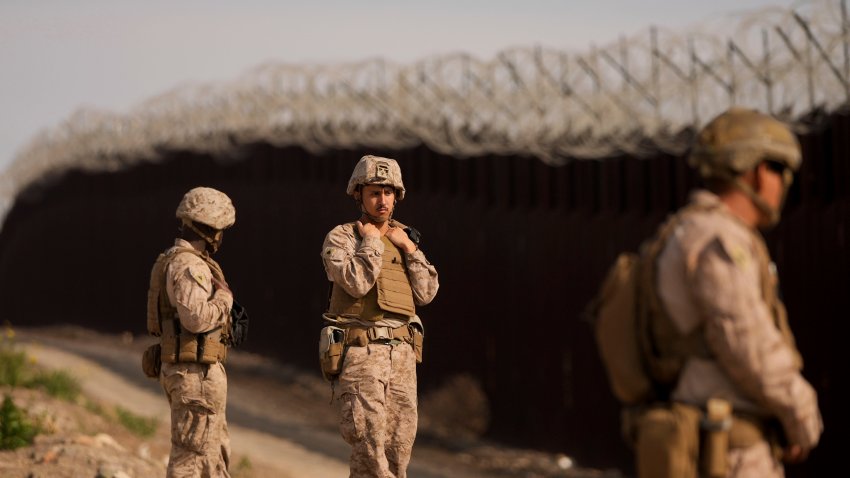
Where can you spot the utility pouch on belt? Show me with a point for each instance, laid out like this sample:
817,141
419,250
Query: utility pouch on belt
667,441
169,341
331,344
151,361
714,456
188,347
417,335
210,347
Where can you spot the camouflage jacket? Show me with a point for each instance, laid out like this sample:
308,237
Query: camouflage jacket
709,276
200,306
354,263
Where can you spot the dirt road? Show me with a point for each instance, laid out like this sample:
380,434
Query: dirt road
279,418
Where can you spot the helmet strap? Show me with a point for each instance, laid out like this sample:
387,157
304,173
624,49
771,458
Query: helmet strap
358,197
212,242
374,219
771,213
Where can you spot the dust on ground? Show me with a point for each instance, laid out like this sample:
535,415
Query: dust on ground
281,421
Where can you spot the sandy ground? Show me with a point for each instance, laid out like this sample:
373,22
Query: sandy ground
280,419
106,386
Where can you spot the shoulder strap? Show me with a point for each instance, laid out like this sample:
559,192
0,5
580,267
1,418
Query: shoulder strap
665,361
217,272
398,224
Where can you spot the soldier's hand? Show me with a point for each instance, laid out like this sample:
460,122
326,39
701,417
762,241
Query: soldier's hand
794,454
401,240
368,229
221,285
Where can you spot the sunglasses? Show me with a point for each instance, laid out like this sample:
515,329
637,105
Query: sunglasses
781,169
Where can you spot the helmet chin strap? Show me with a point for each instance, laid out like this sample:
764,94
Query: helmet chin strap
372,218
212,242
375,219
772,214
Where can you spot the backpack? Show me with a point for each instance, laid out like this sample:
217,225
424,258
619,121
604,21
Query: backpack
629,324
615,311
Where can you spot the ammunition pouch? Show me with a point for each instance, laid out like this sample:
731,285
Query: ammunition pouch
714,446
667,441
184,346
151,361
679,440
331,348
333,341
417,335
211,347
169,340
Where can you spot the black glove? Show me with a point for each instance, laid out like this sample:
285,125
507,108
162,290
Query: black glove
413,234
238,324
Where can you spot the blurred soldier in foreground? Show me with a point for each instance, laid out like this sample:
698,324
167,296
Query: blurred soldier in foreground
720,393
189,308
737,369
374,342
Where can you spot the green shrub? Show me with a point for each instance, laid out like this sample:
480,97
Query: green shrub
94,407
242,469
141,426
16,430
57,383
13,365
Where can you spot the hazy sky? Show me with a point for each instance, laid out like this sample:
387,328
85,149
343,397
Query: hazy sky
57,56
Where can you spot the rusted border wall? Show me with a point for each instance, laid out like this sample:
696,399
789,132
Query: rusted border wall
520,246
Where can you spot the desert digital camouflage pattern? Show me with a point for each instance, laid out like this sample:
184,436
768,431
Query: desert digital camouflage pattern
354,263
709,276
378,408
377,385
200,443
200,306
376,170
197,393
207,206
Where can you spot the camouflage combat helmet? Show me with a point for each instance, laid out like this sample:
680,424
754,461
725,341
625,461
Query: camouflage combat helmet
207,206
376,170
739,139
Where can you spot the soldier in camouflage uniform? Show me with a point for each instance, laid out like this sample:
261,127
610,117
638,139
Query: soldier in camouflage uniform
194,315
718,285
379,275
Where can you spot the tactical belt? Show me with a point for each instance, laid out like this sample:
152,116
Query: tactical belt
360,336
179,345
747,430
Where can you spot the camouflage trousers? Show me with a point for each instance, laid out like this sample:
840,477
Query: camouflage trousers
200,444
378,416
667,445
754,462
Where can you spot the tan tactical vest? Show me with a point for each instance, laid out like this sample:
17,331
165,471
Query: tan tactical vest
665,349
179,345
390,297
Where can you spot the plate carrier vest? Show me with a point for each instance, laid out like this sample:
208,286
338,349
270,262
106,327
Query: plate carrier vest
179,345
390,297
667,350
641,348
